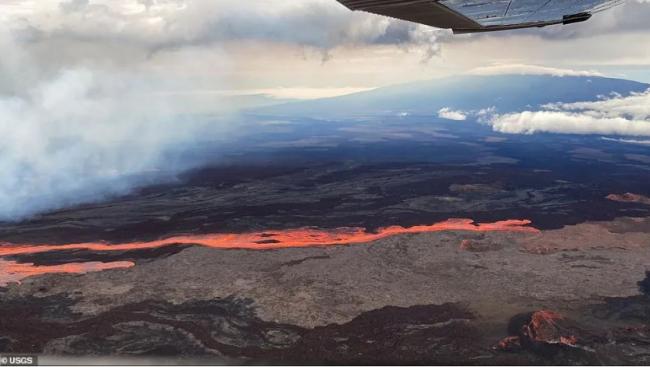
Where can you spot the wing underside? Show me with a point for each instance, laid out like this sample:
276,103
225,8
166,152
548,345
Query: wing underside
465,16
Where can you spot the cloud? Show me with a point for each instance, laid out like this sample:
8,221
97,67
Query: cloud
635,106
624,116
629,141
84,135
524,69
164,24
449,114
568,123
262,37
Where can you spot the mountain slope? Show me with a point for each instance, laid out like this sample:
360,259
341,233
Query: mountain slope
505,92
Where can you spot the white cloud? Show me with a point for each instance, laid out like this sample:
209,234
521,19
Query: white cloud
523,69
629,141
178,23
84,135
624,116
636,106
568,123
449,114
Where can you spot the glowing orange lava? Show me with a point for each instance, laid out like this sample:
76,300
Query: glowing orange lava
11,271
272,240
269,240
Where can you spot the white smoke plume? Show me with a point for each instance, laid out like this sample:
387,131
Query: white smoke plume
80,135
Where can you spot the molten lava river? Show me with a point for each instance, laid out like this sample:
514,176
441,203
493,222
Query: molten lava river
11,271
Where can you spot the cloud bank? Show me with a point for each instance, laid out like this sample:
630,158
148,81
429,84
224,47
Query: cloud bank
169,24
623,116
526,69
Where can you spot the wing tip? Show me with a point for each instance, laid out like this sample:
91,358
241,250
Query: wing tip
576,18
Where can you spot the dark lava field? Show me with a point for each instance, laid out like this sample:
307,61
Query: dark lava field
561,283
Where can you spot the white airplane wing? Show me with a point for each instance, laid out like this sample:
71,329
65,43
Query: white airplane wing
467,16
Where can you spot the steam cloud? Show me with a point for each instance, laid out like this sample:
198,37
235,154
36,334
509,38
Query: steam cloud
80,135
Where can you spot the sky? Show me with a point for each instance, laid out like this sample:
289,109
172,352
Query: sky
202,49
96,96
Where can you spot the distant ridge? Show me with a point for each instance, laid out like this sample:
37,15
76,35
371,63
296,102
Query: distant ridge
505,92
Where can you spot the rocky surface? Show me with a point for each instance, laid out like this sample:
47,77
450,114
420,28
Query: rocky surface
316,286
566,294
228,330
282,304
544,332
630,198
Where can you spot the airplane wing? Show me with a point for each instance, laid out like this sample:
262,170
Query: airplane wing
468,16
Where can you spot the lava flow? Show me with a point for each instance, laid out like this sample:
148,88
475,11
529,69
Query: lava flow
269,240
273,240
11,271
